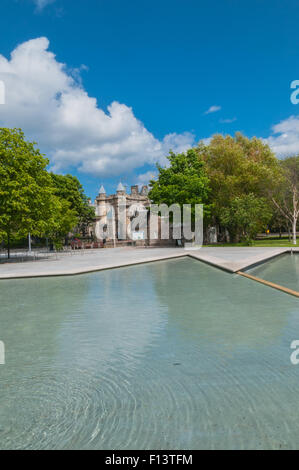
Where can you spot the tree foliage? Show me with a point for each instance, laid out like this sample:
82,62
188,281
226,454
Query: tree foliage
237,166
27,199
33,200
69,188
246,216
285,195
184,181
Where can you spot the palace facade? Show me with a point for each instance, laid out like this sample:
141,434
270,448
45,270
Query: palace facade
123,208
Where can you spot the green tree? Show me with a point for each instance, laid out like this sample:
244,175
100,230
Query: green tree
279,223
246,216
69,188
184,181
65,220
285,196
238,166
27,199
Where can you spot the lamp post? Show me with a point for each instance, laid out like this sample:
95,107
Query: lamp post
114,231
29,243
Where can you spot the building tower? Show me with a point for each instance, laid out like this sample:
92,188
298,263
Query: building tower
102,207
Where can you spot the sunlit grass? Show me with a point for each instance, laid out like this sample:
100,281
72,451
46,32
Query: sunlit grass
267,242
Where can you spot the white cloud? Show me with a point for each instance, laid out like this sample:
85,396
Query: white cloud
213,109
227,121
146,177
52,107
41,4
284,140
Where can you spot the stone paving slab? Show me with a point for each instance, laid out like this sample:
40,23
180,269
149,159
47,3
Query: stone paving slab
80,263
234,259
229,259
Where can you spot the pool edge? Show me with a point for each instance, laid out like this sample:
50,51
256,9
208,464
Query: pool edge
286,290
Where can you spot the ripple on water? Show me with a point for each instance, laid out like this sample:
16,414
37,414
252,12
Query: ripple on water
121,361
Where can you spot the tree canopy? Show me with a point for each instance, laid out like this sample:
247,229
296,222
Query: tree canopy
31,199
285,195
27,199
237,166
242,172
246,216
69,188
241,182
184,181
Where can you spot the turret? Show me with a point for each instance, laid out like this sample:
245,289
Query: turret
121,190
102,212
102,192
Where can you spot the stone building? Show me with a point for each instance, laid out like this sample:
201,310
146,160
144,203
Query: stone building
124,208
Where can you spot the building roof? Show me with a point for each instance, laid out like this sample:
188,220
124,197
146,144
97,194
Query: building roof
102,190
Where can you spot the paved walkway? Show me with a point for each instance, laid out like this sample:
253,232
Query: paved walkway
235,259
230,259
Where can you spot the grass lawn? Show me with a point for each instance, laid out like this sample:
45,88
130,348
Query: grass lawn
272,242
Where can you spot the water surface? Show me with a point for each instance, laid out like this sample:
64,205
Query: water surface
282,270
168,355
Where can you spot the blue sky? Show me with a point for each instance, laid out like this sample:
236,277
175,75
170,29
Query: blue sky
163,64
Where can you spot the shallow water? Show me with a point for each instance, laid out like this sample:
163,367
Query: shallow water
169,355
283,270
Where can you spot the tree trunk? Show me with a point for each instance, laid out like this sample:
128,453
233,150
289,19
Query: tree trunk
295,213
295,231
8,245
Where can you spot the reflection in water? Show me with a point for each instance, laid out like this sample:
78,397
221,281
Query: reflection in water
283,270
208,303
169,355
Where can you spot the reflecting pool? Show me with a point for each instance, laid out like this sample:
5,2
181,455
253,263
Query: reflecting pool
283,270
168,355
